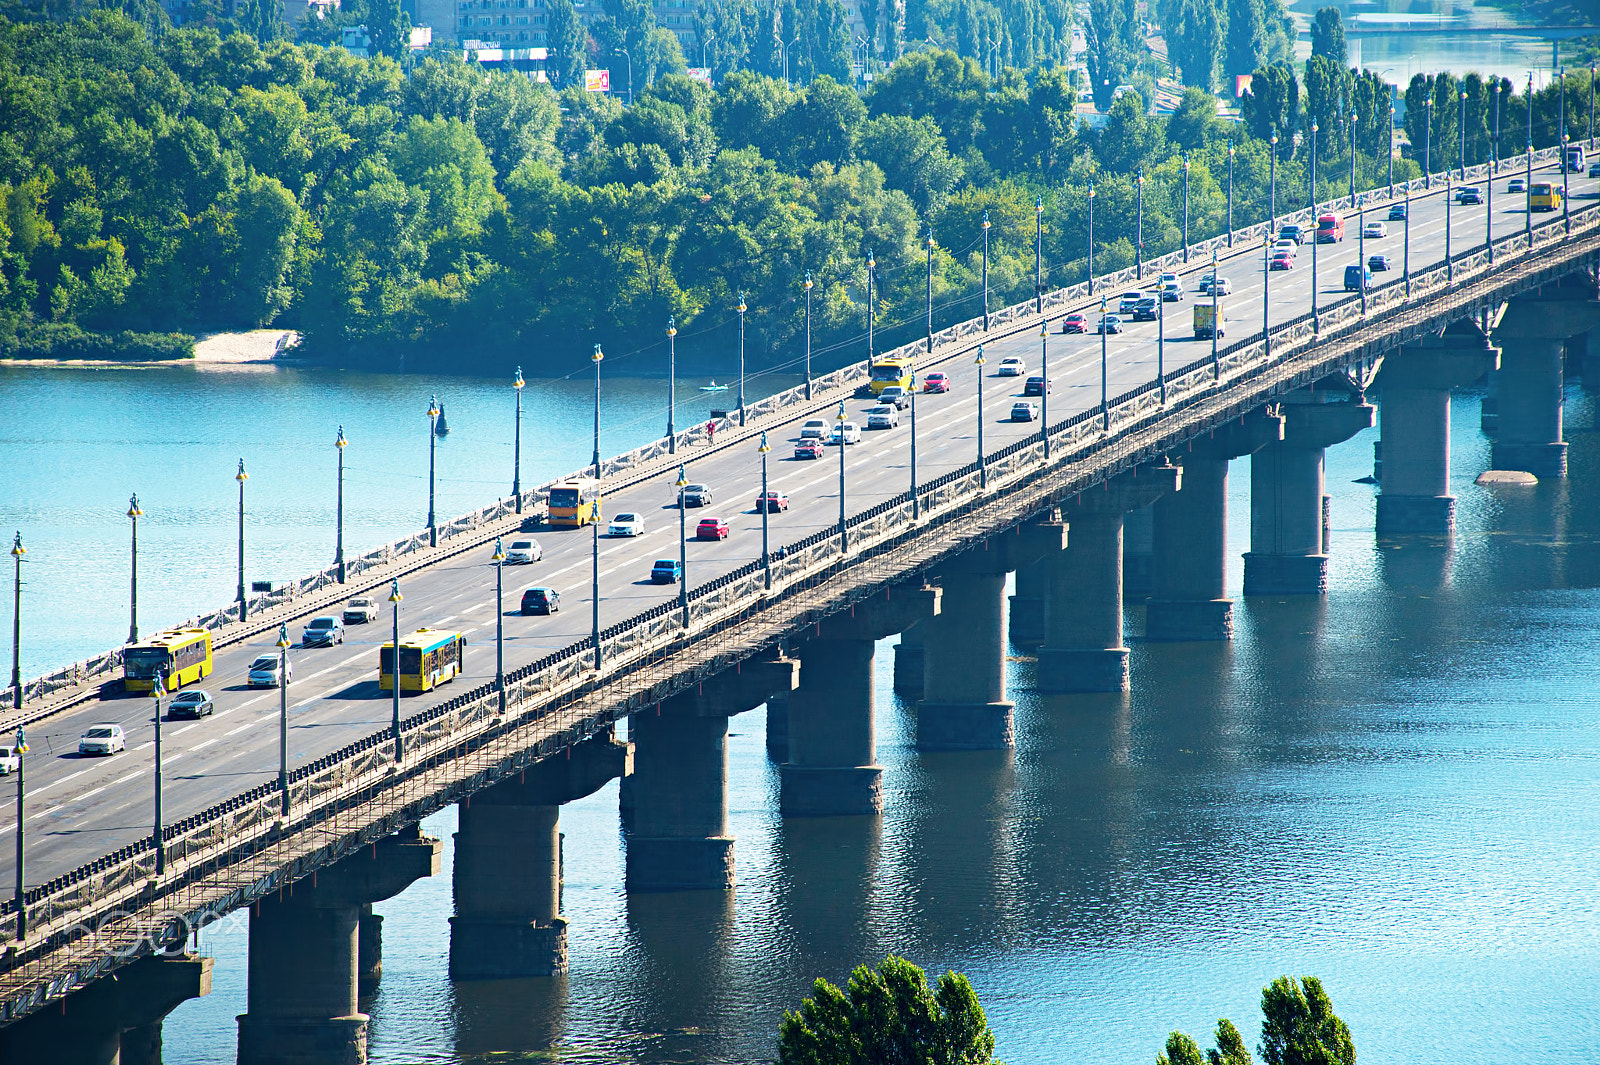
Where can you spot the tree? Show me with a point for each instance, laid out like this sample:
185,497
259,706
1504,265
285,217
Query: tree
1230,1049
1194,124
1181,1050
889,1015
1109,57
1273,103
1299,1026
1195,35
912,156
1328,102
568,44
389,27
1246,48
1327,36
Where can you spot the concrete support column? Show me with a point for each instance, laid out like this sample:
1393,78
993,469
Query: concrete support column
832,767
115,1019
1415,412
1287,555
908,662
678,839
369,945
507,877
1030,603
1189,567
1083,649
149,990
1532,335
1138,554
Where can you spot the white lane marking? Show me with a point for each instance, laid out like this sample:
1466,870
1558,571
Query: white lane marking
127,777
63,780
202,746
241,728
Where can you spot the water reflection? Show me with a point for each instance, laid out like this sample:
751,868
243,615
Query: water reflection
508,1018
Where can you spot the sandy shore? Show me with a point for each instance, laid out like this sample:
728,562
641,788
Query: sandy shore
258,345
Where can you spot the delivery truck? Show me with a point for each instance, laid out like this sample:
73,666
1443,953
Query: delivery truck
1204,322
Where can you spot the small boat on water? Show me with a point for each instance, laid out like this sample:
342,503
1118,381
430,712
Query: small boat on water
713,387
441,427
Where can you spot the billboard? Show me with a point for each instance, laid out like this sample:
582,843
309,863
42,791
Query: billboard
1241,85
700,74
597,81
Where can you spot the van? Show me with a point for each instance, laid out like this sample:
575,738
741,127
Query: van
1330,229
1543,196
1357,277
1575,159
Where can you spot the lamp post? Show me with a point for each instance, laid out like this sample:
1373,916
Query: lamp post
1315,319
1449,263
1427,140
518,384
985,271
1230,193
1266,293
983,471
808,334
1488,185
1352,160
1044,393
1038,254
134,514
872,277
1272,183
1406,262
1461,146
500,624
1216,326
1391,151
1591,107
844,532
594,517
766,511
1361,249
683,547
1185,206
17,551
241,477
741,309
283,716
338,543
1138,248
1566,178
394,669
1105,408
672,385
17,897
930,289
433,435
1091,240
157,836
629,57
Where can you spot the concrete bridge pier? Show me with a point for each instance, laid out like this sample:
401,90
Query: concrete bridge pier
965,707
1138,553
678,839
1287,554
1083,649
507,877
832,768
1532,335
302,993
1030,603
114,1020
1190,537
908,662
1415,420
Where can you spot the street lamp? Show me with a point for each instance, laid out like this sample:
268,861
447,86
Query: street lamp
1230,193
516,448
500,623
594,516
629,57
1044,394
1566,187
1427,140
683,547
134,514
1161,340
844,532
985,271
930,289
17,551
338,542
394,669
766,510
1406,262
808,334
1266,293
1038,254
1527,210
157,837
283,715
1272,183
872,277
1391,150
1105,408
983,471
17,898
1352,160
1216,326
1316,322
433,435
741,309
1091,240
1461,149
1449,263
241,477
1361,248
672,385
1138,248
1185,206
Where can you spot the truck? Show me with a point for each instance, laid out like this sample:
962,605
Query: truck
1330,229
1204,322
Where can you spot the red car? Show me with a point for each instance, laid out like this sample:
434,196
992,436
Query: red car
711,529
808,449
1281,262
772,503
1075,323
935,382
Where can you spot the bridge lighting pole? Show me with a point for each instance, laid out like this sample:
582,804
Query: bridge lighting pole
844,532
1449,263
986,271
672,386
1161,340
157,690
516,448
1406,267
683,548
1272,185
1361,249
930,291
983,472
1216,326
1391,151
1494,142
1038,254
283,716
766,510
1566,177
241,477
1591,107
17,897
594,515
1352,160
433,435
1527,192
17,551
338,544
1488,213
394,669
1185,206
742,308
1138,248
1105,384
1230,193
1316,321
1461,149
1044,394
1091,240
1266,293
500,624
134,514
808,334
1427,141
872,278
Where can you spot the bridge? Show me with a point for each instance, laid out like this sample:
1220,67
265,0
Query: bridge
879,540
1361,26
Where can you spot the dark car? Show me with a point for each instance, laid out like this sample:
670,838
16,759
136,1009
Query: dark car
808,449
1075,323
896,397
1294,233
1378,263
696,495
1033,387
1397,213
1469,194
1356,278
772,502
711,529
193,703
665,571
541,601
322,632
1109,323
1146,310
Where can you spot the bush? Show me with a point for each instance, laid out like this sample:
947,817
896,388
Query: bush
65,341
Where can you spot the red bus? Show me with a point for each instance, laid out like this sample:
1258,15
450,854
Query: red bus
1330,229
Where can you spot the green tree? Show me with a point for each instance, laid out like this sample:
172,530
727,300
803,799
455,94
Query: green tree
1273,103
888,1015
389,27
1195,34
1181,1050
1327,36
568,44
1110,59
1230,1048
1299,1026
1328,102
913,157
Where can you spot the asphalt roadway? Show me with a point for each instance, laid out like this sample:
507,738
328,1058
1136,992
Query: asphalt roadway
79,808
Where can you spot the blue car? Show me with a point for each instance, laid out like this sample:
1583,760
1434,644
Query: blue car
666,571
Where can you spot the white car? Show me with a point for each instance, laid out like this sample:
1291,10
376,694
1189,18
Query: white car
360,611
103,739
1374,230
1171,291
883,417
264,672
845,433
1168,278
523,552
627,525
1024,411
1011,366
813,429
1290,246
1223,286
10,760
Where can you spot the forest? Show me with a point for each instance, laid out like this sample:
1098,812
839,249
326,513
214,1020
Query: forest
160,185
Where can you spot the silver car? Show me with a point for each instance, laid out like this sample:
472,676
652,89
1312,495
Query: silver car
264,672
103,739
523,552
884,417
323,632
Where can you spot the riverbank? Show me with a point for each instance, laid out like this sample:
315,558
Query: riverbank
251,346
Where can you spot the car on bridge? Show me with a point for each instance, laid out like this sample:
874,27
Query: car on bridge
883,417
808,449
1292,232
1147,309
696,495
1172,291
541,600
1281,262
324,631
711,529
935,383
1374,231
102,739
524,552
1034,387
1594,169
1469,194
10,760
265,672
1128,300
1024,411
1075,323
360,611
1109,323
1223,286
1379,263
195,703
1517,184
1397,213
1356,278
1286,246
896,397
1011,366
813,429
773,502
845,433
629,524
665,571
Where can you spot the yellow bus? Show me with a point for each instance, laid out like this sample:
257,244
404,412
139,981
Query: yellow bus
428,658
574,503
886,372
179,656
1543,196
